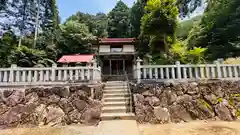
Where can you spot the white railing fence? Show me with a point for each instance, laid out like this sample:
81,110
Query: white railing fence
186,72
21,75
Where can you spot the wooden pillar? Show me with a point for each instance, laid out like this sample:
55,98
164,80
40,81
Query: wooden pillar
124,65
110,67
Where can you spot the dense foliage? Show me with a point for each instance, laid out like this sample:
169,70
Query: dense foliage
97,24
136,14
119,21
31,33
185,27
180,52
218,30
160,22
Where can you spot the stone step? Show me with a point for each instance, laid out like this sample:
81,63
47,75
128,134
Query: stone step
116,99
115,109
116,82
118,116
115,91
123,82
121,103
125,94
115,87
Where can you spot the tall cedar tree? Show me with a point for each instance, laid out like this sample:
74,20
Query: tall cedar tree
119,21
137,12
160,23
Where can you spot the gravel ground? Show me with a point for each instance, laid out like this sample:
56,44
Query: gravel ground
193,128
69,130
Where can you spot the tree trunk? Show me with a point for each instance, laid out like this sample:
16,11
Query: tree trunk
36,25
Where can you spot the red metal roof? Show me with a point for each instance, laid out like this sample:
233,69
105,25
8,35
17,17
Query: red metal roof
76,58
117,40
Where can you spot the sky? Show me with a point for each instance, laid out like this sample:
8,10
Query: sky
69,7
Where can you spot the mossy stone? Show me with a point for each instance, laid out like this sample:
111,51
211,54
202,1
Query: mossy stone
205,104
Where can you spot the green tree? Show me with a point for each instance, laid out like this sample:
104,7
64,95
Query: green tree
180,52
187,7
97,24
28,17
218,30
136,14
27,57
100,29
118,21
7,43
51,19
185,27
3,4
160,23
75,38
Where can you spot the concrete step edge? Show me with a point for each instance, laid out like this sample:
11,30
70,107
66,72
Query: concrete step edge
116,98
118,116
120,93
120,103
114,107
118,88
117,95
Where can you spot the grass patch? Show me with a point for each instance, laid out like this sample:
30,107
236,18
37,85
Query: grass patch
238,113
205,104
220,100
232,99
231,102
235,95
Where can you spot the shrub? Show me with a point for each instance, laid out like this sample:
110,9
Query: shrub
179,52
27,57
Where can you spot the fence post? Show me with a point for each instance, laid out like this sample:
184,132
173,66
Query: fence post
53,75
11,74
88,71
221,60
138,68
134,71
94,75
178,69
100,73
219,74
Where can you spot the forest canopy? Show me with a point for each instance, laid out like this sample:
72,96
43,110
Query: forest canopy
32,35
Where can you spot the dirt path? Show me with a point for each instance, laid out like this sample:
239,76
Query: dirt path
193,128
69,130
126,128
118,127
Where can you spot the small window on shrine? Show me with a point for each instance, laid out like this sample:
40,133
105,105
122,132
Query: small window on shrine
116,48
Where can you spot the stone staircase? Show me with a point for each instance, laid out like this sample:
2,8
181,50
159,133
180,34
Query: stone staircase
116,104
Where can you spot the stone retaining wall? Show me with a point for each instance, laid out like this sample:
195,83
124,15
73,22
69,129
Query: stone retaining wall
158,103
50,106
